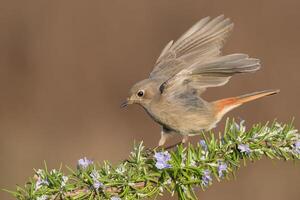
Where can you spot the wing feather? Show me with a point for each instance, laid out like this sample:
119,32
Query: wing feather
201,41
165,50
214,31
194,61
212,73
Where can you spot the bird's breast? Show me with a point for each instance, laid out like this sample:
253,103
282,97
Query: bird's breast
182,119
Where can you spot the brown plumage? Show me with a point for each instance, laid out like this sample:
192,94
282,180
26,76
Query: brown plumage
183,71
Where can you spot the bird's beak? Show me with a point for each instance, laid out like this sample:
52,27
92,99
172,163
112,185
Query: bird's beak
124,104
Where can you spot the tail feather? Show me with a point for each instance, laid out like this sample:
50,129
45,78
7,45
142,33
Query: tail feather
225,105
256,95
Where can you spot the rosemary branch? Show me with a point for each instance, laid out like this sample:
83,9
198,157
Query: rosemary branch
145,175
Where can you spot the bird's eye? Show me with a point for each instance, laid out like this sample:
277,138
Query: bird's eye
140,93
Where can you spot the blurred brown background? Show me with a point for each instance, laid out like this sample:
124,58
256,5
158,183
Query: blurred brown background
65,66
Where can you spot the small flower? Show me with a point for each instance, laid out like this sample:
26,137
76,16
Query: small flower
206,177
161,189
222,168
168,182
64,181
162,156
95,176
162,165
202,158
193,163
162,159
84,163
115,198
203,145
121,169
255,135
97,184
41,182
193,178
43,197
297,147
244,148
184,188
40,172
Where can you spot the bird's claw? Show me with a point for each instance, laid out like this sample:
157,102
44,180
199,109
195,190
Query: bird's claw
173,146
149,151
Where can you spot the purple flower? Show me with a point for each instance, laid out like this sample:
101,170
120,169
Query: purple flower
244,148
222,168
115,198
206,177
162,156
40,182
203,145
95,176
162,165
297,147
41,179
84,163
97,184
162,159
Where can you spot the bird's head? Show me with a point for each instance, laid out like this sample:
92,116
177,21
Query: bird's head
142,93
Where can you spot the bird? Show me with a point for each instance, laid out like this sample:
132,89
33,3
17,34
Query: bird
171,95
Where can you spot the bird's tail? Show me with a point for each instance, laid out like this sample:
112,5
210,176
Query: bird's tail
225,105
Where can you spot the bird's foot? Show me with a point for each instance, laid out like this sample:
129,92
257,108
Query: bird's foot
173,145
150,151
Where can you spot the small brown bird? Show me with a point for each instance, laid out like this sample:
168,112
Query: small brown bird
183,71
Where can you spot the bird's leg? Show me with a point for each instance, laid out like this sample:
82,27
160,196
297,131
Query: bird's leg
165,134
185,138
163,138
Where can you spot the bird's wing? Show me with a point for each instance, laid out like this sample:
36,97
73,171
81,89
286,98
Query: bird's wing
213,72
202,41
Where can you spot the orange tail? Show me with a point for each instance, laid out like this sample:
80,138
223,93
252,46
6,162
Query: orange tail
225,105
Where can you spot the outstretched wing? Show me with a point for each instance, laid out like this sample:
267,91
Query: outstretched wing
201,42
193,63
210,73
